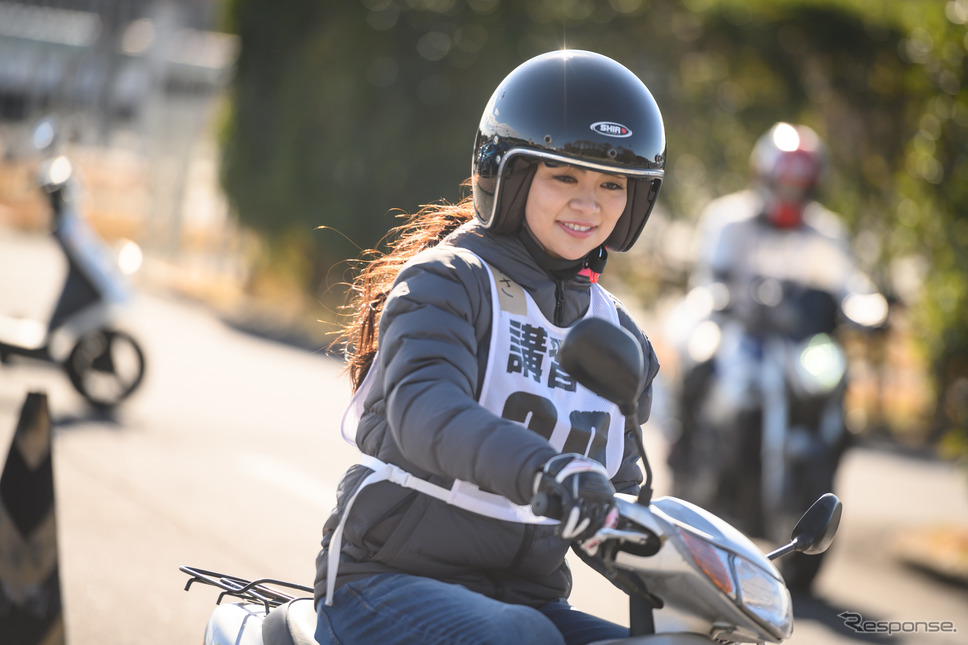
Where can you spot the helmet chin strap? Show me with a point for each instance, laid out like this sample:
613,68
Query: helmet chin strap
594,264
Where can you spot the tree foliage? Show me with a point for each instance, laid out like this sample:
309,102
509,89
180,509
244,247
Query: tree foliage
345,111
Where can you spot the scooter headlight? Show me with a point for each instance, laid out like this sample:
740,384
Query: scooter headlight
821,365
753,589
764,597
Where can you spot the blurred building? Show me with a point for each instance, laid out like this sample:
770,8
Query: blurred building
106,57
135,87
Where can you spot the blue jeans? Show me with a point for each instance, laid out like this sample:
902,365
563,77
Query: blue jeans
398,608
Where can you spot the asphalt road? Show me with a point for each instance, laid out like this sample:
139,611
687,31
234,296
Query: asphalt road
229,456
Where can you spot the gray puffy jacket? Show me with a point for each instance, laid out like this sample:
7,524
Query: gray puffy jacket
422,414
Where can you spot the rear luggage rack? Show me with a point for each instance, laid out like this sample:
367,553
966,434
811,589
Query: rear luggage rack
255,591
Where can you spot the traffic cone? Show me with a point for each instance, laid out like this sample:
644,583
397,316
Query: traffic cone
30,599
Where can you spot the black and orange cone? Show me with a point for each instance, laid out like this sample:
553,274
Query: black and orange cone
31,612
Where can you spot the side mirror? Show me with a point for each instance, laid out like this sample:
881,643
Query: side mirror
44,135
606,359
609,361
869,310
818,526
816,529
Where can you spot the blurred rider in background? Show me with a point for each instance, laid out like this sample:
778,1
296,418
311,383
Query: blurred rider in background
787,167
774,228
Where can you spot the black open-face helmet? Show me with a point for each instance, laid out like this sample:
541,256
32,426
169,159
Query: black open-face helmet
573,107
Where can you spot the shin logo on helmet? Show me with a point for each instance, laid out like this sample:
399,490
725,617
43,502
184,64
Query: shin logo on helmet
610,129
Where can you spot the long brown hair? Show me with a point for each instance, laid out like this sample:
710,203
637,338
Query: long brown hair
368,292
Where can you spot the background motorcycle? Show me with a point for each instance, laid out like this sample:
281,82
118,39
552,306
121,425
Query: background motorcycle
86,334
691,577
762,403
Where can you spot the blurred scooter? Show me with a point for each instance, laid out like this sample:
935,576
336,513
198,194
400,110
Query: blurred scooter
761,402
85,334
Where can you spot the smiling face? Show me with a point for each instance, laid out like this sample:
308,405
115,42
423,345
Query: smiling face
572,211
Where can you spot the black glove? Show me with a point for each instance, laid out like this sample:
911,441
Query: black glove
575,490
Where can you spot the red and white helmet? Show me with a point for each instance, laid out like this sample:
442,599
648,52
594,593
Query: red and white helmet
788,164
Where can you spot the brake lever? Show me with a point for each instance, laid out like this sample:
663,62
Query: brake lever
636,537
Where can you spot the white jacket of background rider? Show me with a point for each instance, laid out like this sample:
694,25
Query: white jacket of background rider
736,245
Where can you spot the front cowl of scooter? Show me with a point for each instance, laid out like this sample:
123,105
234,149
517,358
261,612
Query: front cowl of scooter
711,578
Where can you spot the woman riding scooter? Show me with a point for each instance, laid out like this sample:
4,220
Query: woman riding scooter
461,411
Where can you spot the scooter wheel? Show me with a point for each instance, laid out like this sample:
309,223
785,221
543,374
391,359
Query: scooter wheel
106,366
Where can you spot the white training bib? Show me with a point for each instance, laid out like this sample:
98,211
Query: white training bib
523,382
